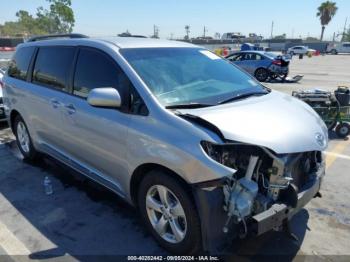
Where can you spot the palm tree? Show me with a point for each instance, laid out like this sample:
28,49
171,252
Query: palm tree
326,12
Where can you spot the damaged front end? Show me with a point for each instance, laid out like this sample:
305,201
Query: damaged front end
262,194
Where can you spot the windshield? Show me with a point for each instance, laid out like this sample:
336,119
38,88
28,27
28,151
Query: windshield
178,76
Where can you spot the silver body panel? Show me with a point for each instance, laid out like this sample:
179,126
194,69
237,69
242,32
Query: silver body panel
276,121
108,145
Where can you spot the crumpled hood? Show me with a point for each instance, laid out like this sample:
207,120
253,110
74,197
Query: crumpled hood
277,121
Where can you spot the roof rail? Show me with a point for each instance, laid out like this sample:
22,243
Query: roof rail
55,36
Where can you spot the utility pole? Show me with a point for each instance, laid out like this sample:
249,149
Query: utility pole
344,31
272,30
204,31
187,28
155,31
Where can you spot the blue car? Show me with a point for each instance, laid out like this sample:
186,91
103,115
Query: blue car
262,65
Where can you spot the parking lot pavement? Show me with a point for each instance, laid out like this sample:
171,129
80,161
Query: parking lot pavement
325,72
81,218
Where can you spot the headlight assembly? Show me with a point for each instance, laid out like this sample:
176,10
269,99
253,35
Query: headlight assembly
214,151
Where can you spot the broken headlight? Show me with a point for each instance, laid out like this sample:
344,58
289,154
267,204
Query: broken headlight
224,154
214,151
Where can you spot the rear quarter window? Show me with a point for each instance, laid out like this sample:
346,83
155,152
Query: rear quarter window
18,67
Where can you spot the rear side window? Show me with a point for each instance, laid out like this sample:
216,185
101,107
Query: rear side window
52,66
236,57
19,64
95,70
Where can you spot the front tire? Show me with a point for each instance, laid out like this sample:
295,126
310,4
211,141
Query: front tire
334,52
169,213
23,139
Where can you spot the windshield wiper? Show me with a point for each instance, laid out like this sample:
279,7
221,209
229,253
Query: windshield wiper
188,106
241,96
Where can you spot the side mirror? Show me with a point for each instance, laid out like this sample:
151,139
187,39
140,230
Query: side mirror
104,97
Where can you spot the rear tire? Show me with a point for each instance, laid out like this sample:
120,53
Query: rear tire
334,52
342,130
23,139
175,211
261,74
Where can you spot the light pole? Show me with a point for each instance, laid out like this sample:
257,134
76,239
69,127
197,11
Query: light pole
187,28
204,31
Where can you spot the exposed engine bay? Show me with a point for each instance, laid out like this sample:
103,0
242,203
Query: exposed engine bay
262,178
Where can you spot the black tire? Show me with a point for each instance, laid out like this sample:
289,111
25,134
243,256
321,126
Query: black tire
342,130
261,74
334,52
192,241
30,153
291,53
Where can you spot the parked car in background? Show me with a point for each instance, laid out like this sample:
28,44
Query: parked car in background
262,65
2,110
300,50
204,151
337,48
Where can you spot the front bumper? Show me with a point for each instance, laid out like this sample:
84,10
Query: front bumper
209,200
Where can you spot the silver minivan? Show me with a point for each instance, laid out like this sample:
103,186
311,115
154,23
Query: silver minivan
205,152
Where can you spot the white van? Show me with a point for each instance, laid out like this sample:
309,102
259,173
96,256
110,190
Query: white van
336,48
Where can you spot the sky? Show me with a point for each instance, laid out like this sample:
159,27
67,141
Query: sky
110,17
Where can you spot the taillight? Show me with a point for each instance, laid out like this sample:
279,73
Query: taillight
277,62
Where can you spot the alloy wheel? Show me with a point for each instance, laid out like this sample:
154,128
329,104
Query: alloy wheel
262,74
166,214
23,137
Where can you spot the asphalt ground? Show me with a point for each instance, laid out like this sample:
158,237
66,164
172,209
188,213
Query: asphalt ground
82,221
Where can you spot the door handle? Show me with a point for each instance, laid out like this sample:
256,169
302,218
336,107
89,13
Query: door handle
55,103
70,109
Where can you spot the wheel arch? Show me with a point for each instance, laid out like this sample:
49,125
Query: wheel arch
141,171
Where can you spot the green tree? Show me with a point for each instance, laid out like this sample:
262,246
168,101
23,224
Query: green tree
59,18
326,11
